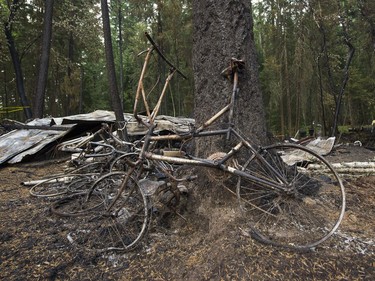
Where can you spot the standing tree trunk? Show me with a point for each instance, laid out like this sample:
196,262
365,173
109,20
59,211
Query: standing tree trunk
321,96
351,51
222,30
44,60
120,45
286,86
5,95
111,72
16,60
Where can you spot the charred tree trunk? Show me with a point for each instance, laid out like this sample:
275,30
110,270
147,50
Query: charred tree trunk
120,45
222,30
16,60
44,60
111,71
321,97
351,51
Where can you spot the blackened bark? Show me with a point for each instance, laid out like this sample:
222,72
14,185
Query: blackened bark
222,30
111,72
16,60
44,61
70,54
351,51
120,45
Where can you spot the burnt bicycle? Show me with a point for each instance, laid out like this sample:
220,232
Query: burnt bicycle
282,200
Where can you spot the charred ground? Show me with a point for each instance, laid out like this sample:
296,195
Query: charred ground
209,245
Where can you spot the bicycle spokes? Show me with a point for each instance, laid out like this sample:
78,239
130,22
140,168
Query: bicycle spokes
304,212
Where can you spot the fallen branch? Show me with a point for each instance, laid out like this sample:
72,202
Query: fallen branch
346,165
351,168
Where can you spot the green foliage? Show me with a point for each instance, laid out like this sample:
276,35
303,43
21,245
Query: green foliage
300,45
344,129
302,52
4,11
77,61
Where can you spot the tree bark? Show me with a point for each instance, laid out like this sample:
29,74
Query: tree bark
44,61
16,60
111,72
351,51
222,30
349,59
120,45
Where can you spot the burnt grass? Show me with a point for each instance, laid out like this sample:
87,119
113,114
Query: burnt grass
207,245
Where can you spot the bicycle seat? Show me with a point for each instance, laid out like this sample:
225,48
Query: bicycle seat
235,65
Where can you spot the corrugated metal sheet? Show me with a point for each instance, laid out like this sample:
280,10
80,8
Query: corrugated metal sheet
17,144
164,123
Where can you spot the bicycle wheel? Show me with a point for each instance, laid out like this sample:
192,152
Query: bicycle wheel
126,161
113,226
290,204
82,183
78,204
61,184
54,186
99,194
98,167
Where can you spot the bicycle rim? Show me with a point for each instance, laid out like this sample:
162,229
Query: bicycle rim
77,204
51,187
120,228
97,167
82,184
125,162
305,209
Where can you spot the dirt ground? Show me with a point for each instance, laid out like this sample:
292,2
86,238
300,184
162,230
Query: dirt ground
209,245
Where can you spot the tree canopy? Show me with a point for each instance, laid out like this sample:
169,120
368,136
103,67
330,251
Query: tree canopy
316,58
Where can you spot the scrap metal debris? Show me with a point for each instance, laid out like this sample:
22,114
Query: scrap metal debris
17,144
320,146
25,141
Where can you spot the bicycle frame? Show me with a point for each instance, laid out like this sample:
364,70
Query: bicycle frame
200,131
195,161
282,202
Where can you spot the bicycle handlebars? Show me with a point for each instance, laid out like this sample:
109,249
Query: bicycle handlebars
157,49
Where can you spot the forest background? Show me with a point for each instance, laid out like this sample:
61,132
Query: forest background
316,58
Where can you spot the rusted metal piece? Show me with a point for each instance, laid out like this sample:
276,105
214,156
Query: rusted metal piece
140,90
